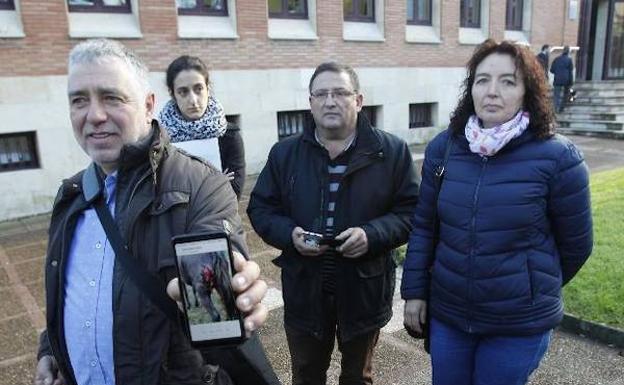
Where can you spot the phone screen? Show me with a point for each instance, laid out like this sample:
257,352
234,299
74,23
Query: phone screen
205,282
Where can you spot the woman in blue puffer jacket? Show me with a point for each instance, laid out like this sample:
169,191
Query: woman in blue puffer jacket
514,226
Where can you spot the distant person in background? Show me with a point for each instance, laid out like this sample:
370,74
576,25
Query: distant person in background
196,122
562,67
543,58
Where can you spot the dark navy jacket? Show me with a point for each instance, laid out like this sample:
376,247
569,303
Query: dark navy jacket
514,228
378,193
562,68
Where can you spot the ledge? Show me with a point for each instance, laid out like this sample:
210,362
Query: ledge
517,36
292,29
11,24
357,31
111,25
206,27
593,330
422,34
471,36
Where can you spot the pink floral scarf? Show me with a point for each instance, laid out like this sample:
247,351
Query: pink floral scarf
488,141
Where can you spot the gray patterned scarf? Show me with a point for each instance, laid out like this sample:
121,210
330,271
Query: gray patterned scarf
211,125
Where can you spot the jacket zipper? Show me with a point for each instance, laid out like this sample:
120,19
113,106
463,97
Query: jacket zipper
473,235
140,321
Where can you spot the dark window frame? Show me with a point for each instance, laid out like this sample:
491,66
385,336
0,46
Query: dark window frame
353,16
514,15
31,142
284,14
202,10
284,132
99,7
8,5
421,115
428,21
464,14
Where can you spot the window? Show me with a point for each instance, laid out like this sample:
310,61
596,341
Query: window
421,115
202,7
371,114
288,9
18,151
419,12
359,10
292,122
7,4
470,14
104,6
513,20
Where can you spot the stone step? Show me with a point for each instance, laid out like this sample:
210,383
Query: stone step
610,100
599,85
610,134
577,107
593,125
572,115
600,93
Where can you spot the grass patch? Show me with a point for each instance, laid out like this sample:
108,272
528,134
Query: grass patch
597,291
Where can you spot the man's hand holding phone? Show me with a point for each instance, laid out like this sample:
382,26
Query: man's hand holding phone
249,288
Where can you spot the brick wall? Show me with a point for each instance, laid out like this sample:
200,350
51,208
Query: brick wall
44,49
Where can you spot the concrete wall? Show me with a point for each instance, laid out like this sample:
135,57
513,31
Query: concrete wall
40,104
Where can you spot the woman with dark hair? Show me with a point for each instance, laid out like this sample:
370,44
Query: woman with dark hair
515,225
196,122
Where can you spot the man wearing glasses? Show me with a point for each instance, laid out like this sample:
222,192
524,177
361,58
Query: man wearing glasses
336,199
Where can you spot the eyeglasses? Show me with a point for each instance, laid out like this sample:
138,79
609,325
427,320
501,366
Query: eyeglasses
322,95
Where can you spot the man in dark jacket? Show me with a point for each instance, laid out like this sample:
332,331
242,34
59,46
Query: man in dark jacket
356,187
101,328
543,58
562,68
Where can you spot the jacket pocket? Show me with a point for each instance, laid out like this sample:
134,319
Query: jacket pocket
170,208
371,268
169,199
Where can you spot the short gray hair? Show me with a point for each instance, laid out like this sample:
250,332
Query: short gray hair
92,50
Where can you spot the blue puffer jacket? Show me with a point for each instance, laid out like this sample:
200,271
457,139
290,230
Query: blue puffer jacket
514,227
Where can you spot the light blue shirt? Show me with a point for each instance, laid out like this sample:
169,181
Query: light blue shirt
88,312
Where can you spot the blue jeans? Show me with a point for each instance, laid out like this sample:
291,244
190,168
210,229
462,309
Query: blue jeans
559,93
460,358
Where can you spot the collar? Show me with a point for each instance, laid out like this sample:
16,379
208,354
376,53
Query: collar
368,140
349,143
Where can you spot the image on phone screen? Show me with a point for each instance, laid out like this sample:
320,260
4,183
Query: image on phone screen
205,282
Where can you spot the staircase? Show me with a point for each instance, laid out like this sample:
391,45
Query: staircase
597,110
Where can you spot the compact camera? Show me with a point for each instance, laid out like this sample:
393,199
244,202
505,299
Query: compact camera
316,240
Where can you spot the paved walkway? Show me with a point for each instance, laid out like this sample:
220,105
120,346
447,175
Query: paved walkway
571,359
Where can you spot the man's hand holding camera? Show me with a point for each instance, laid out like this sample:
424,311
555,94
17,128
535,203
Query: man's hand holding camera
353,242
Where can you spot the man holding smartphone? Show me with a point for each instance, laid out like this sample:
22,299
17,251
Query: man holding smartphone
101,326
336,199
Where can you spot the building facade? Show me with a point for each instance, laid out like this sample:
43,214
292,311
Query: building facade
409,55
601,38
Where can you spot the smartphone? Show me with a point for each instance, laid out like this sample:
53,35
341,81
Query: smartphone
312,239
205,268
